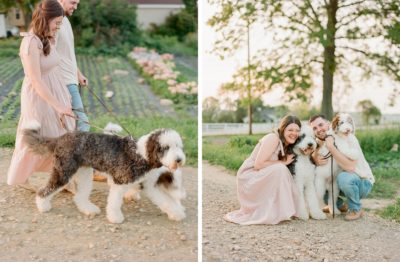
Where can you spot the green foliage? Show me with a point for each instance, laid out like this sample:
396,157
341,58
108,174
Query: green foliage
105,25
179,25
9,47
168,44
7,133
392,211
378,141
191,7
369,110
222,155
306,38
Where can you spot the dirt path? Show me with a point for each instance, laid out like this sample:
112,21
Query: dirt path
368,239
64,234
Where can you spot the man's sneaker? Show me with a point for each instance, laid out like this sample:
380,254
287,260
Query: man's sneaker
353,215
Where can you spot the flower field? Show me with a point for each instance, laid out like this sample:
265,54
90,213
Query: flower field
111,78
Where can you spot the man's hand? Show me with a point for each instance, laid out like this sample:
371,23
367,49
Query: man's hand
329,142
319,160
83,81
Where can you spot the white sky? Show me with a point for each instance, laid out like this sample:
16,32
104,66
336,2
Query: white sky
214,72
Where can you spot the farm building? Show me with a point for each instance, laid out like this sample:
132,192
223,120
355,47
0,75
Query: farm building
155,11
11,22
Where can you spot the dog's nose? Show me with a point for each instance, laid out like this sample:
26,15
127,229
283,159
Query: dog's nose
310,144
178,160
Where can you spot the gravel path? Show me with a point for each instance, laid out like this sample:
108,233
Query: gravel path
64,234
368,239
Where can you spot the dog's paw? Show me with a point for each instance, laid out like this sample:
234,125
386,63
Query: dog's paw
43,204
115,217
303,216
91,210
177,214
132,196
318,215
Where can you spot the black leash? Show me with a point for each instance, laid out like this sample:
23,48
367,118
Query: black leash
109,111
333,199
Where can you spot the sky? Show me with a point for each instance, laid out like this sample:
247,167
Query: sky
215,71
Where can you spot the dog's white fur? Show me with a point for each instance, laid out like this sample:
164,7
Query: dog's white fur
304,176
168,199
342,130
174,210
168,202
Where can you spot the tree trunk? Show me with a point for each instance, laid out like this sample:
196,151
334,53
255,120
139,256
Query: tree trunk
329,65
250,111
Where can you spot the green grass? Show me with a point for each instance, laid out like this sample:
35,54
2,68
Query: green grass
187,127
9,47
392,211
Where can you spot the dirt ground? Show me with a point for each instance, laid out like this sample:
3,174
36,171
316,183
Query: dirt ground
65,234
369,239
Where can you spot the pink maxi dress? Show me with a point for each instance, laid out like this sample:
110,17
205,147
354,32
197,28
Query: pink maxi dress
34,108
268,195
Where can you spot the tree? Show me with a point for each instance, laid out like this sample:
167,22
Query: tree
323,38
234,21
210,109
105,24
248,84
369,111
191,7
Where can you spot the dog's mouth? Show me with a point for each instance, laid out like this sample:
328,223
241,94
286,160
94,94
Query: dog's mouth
174,166
307,151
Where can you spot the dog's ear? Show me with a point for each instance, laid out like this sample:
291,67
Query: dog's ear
153,149
335,122
351,121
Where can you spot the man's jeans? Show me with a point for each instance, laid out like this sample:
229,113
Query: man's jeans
354,189
77,105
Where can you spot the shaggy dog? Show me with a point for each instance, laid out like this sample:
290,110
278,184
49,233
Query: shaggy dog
124,160
342,130
304,171
164,188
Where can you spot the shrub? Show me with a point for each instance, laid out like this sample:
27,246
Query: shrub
179,25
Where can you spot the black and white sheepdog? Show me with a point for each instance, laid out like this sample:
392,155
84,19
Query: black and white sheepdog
304,173
342,129
125,161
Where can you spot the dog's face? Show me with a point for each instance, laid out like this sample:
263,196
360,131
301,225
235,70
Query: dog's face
343,124
162,147
305,144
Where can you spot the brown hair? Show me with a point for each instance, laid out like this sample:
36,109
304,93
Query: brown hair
315,117
287,120
44,12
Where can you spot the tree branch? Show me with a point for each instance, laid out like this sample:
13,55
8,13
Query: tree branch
351,4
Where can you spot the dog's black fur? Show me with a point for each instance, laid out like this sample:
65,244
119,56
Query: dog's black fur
107,153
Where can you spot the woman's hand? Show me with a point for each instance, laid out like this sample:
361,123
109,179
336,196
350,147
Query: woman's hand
289,159
65,110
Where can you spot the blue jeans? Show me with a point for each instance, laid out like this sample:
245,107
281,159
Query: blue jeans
354,189
77,105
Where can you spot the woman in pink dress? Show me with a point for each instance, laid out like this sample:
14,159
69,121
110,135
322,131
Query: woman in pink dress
44,97
266,190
